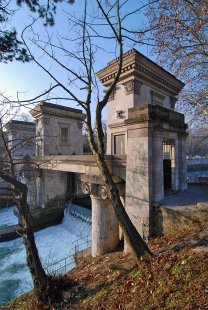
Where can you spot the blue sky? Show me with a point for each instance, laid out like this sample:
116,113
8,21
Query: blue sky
28,80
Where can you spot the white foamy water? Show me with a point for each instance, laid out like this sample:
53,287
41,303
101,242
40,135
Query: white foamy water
53,243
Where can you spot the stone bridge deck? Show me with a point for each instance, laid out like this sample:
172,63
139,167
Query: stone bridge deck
84,164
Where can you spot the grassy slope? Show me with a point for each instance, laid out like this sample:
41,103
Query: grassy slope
175,278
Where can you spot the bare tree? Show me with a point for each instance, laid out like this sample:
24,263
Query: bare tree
196,144
79,68
46,287
104,23
180,38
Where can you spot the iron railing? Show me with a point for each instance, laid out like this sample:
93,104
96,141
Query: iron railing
80,245
62,266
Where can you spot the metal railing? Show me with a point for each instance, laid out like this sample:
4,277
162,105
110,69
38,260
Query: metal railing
81,245
62,266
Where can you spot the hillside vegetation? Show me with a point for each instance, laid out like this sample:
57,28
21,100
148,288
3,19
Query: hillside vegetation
176,277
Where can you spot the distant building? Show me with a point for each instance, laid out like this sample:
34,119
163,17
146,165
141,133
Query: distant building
3,135
58,129
21,137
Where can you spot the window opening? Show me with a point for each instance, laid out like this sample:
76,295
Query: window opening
64,135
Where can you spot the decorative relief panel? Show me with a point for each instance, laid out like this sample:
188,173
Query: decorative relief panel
132,87
86,188
102,192
157,98
172,102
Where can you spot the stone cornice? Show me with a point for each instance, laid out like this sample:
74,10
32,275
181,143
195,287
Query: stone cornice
41,111
20,126
136,64
21,130
116,125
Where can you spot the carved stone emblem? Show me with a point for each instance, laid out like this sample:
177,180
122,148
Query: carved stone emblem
86,188
157,98
45,121
172,102
102,192
132,87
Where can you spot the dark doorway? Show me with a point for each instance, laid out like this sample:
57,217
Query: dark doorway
167,174
168,164
71,186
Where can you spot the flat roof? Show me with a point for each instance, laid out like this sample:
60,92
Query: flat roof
14,121
107,73
59,107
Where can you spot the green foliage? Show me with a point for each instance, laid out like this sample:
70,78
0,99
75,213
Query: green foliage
10,46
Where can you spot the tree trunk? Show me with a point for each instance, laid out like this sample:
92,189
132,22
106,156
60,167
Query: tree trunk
39,277
38,274
133,238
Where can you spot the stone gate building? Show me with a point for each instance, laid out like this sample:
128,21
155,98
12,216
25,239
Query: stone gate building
143,125
145,148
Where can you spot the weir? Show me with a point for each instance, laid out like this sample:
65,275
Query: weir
79,212
54,244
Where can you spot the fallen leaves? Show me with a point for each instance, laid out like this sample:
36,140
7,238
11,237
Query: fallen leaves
171,280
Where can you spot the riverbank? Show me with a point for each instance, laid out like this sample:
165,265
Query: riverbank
174,278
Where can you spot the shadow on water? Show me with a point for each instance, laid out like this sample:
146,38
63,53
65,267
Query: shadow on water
9,287
7,251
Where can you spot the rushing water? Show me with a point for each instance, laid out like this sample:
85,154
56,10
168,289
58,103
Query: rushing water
54,243
7,217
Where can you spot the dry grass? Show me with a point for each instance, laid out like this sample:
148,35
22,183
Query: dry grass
175,278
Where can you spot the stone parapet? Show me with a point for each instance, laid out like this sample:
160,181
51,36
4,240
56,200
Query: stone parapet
84,164
148,112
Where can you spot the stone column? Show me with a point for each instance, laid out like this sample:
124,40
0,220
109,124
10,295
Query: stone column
139,177
157,167
105,228
40,183
32,192
182,162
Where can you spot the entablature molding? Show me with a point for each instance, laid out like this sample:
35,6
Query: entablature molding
64,114
135,63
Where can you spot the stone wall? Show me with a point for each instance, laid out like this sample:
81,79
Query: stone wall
58,129
21,137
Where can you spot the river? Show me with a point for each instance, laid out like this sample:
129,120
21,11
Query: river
54,243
